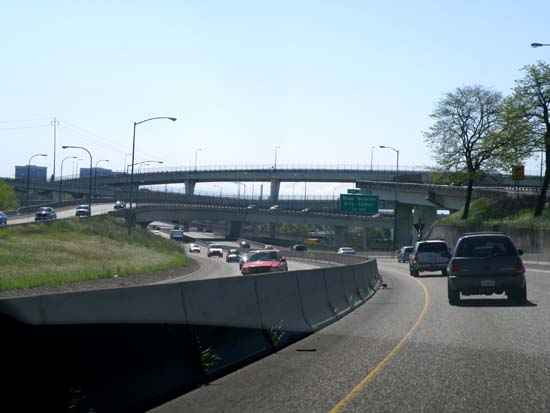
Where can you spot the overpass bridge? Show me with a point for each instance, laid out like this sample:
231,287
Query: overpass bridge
104,185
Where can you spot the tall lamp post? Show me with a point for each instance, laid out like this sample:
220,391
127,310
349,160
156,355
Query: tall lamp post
196,152
395,198
141,164
275,164
61,175
29,175
130,216
91,161
95,174
371,154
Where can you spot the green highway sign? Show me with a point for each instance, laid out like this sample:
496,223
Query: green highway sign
365,204
359,191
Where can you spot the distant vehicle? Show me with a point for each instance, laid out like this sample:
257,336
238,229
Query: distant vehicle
215,250
3,218
404,254
155,232
252,206
274,207
44,213
312,241
306,211
178,226
176,235
83,211
262,261
486,263
233,255
346,251
245,244
429,255
195,248
268,246
119,205
298,247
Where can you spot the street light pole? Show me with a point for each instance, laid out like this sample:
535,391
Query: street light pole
61,175
129,211
371,153
91,161
275,164
395,197
95,174
28,176
196,152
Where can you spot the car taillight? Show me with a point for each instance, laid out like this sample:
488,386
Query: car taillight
518,267
454,266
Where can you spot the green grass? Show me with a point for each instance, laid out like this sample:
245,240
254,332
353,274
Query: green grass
71,250
493,214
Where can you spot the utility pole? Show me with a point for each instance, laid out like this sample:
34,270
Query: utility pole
55,122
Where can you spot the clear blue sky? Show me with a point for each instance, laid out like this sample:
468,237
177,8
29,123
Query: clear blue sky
323,80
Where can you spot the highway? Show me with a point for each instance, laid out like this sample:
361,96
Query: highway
62,213
406,349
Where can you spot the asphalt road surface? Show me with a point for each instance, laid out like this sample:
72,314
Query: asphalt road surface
62,213
406,349
215,267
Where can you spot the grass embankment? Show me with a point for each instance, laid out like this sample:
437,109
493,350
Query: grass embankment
70,250
493,214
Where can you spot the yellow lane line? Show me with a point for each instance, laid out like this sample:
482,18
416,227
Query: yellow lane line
354,392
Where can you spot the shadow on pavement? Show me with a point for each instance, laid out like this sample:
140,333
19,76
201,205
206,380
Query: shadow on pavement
488,302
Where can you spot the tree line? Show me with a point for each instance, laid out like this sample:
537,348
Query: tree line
478,130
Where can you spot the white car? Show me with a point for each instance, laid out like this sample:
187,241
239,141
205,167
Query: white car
346,250
155,232
195,248
215,250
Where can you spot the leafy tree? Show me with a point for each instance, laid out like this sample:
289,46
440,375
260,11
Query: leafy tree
470,135
7,197
529,107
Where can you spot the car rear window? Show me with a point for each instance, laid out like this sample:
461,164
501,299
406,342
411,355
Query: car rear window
432,247
410,249
485,246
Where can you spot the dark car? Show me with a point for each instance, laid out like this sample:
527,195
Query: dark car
3,218
262,261
233,255
252,206
44,213
429,255
485,264
298,247
119,205
83,211
245,244
404,254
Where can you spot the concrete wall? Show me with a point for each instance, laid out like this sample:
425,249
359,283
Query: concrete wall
120,349
532,241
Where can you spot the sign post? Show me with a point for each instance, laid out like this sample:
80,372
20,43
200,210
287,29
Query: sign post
518,174
419,227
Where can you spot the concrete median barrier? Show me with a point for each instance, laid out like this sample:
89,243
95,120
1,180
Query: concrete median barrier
281,307
224,317
350,286
315,298
336,292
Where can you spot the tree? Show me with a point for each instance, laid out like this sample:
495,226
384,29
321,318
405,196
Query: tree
530,105
470,135
7,197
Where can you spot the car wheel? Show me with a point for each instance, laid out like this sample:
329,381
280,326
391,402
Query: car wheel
518,295
453,295
415,273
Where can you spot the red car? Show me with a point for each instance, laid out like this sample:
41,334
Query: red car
261,261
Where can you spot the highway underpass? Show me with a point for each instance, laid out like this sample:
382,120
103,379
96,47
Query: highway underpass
406,350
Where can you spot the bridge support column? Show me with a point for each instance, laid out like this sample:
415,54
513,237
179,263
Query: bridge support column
425,215
190,187
339,236
274,194
403,225
272,230
233,229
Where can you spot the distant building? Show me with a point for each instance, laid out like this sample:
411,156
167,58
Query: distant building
85,172
36,173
